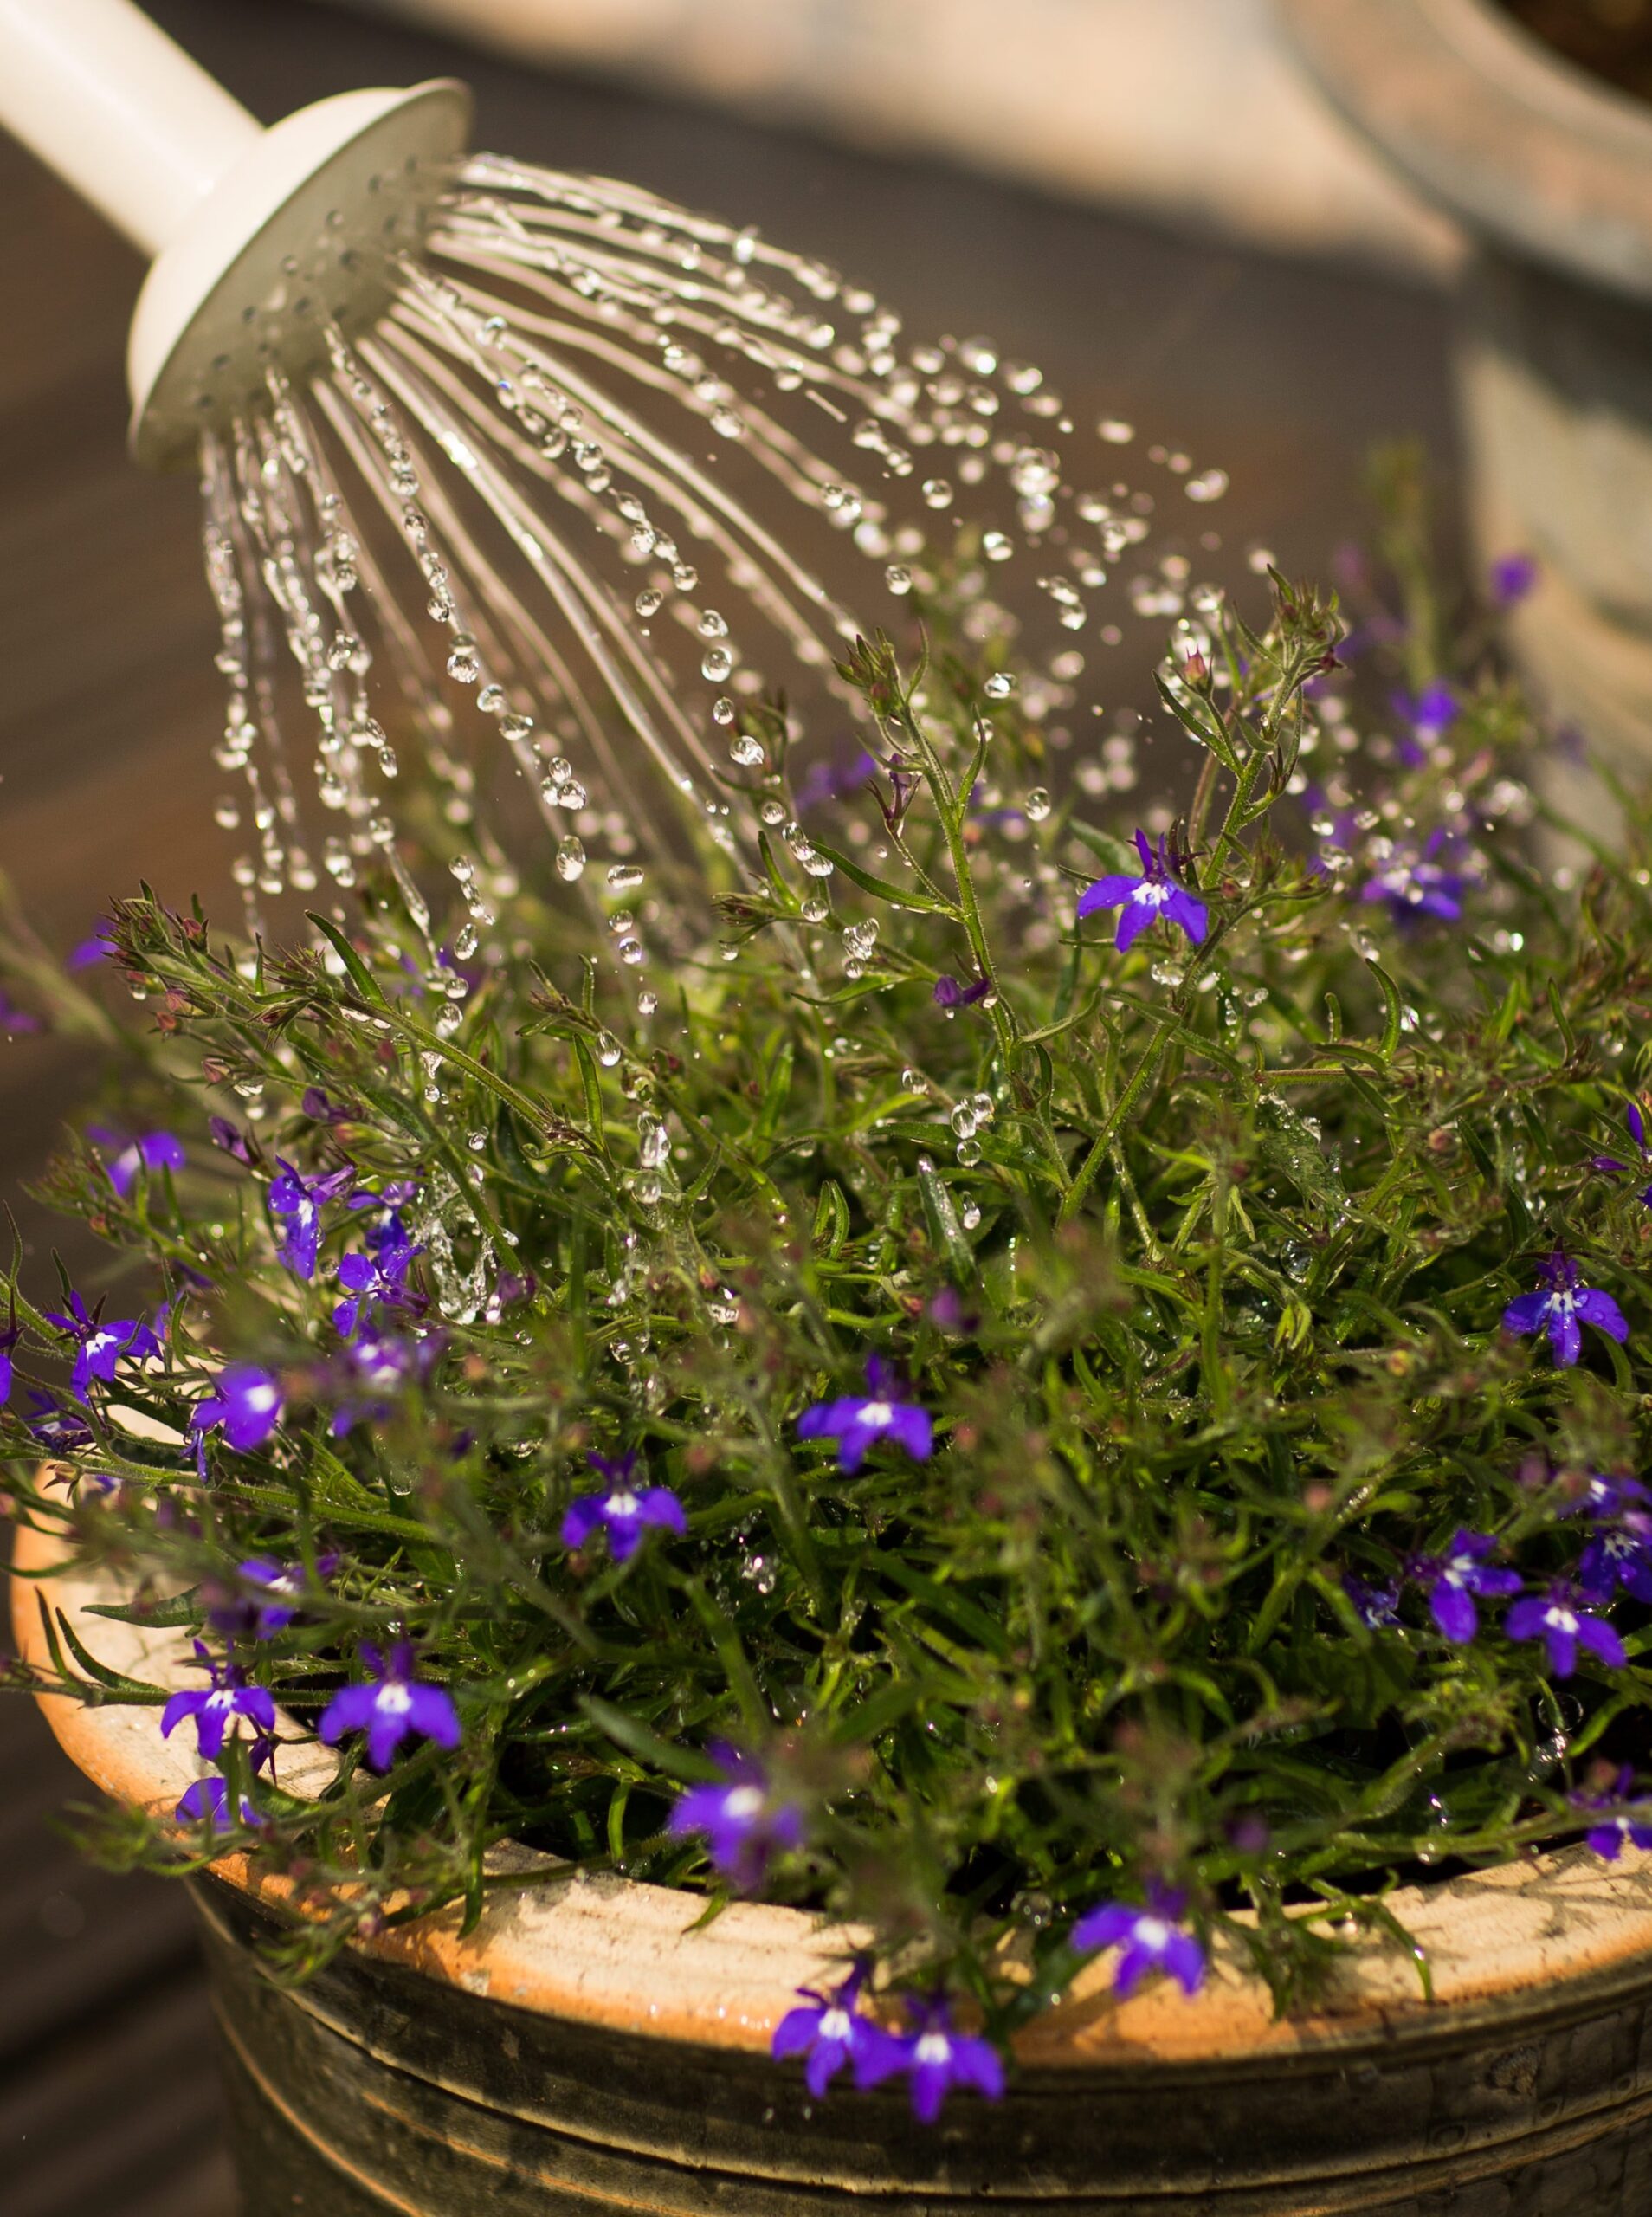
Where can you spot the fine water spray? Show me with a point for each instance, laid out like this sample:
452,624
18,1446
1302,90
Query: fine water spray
486,442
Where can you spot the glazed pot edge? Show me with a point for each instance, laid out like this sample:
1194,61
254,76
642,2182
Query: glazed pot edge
615,1952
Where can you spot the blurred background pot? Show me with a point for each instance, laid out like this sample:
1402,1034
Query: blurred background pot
1549,173
585,2048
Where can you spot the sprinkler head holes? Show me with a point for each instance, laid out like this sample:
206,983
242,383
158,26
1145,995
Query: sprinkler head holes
301,231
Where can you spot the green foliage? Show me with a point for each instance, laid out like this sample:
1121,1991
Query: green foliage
1196,1255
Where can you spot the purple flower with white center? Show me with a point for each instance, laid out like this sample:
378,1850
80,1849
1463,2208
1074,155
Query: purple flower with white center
246,1401
391,1704
1561,1621
829,2031
376,1279
207,1802
1618,1554
625,1511
1634,1122
1454,1579
279,1589
950,993
1560,1305
1628,1823
1149,1939
59,1430
1511,578
858,1421
1143,900
216,1707
1604,1498
100,1346
370,1370
1373,1605
744,1819
155,1151
935,2056
296,1201
1418,882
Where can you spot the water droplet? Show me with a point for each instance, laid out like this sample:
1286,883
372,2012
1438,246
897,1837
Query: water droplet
970,1215
476,1142
1115,432
609,1050
649,601
716,663
748,751
898,578
1036,804
963,1120
999,686
969,1153
624,876
646,1003
712,625
571,858
937,493
463,662
997,546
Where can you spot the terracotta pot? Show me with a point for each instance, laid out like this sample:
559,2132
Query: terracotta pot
585,2050
1550,173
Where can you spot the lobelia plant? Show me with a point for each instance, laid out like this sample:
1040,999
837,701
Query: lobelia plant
1086,1397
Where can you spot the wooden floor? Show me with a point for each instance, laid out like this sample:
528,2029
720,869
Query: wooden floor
107,705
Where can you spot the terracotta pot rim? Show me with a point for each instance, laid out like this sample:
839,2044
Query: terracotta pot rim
616,1953
1504,133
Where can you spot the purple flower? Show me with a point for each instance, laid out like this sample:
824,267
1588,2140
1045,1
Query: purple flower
156,1151
1149,1939
1631,1826
744,1819
1563,1624
858,1421
934,2057
1618,1554
1557,1306
216,1707
1373,1605
378,1278
296,1201
389,1706
1144,899
17,1020
828,781
372,1368
230,1138
246,1401
625,1511
207,1802
1511,578
9,1339
1635,1124
950,993
280,1588
99,948
1416,881
1429,715
830,2032
1454,1579
100,1346
59,1431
